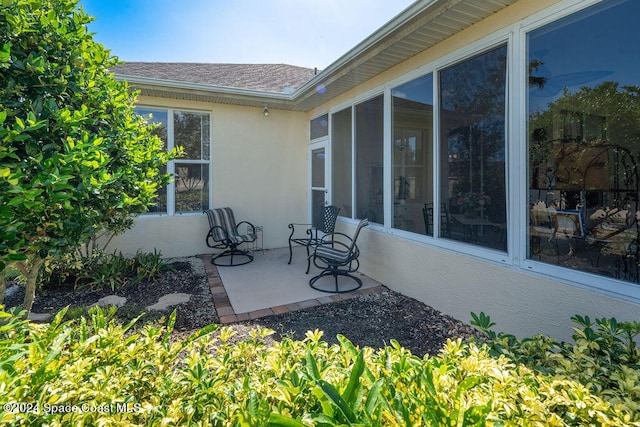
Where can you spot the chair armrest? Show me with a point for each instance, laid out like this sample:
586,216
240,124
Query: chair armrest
308,230
332,240
210,234
253,229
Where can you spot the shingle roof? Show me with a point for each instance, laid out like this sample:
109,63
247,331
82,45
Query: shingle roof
261,77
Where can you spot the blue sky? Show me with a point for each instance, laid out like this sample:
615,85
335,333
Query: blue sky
309,33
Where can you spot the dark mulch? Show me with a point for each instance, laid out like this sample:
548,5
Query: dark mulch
367,320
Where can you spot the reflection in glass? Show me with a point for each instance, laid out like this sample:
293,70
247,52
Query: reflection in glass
158,117
319,127
584,141
191,132
317,168
472,129
192,187
369,170
413,155
317,203
341,157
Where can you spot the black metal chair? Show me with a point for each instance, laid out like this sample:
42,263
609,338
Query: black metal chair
225,234
338,257
324,222
427,213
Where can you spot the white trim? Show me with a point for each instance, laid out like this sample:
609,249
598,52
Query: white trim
326,113
552,14
170,189
223,90
387,160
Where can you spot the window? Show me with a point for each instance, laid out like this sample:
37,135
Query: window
341,160
369,178
412,115
319,127
584,143
189,192
472,149
357,160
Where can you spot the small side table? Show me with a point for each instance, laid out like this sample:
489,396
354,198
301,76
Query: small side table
258,244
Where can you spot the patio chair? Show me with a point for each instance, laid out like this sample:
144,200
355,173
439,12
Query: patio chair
225,234
427,213
338,257
324,223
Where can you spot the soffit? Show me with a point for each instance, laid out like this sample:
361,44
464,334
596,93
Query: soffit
418,28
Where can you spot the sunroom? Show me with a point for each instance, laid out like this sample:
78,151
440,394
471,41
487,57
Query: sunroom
493,146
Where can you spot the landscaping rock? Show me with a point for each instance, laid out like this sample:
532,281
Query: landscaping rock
114,300
169,300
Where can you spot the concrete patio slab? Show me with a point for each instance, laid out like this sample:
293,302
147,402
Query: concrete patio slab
268,284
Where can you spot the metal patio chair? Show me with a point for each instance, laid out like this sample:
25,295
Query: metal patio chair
338,257
324,222
225,234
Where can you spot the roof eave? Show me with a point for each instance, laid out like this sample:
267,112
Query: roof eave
421,26
207,93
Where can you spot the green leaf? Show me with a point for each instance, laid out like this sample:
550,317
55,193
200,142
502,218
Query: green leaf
333,395
16,201
350,393
277,420
312,366
5,51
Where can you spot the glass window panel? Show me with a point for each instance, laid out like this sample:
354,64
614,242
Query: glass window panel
413,155
159,117
192,187
319,127
472,125
156,116
369,162
341,159
584,143
317,168
191,131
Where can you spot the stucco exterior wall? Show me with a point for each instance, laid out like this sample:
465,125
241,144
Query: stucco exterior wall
259,169
456,284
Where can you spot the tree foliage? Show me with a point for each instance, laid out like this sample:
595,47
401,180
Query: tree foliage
74,157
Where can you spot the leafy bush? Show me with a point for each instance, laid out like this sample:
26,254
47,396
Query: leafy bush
604,357
100,270
76,159
98,372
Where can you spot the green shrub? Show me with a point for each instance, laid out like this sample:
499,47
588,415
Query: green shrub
98,372
604,357
100,270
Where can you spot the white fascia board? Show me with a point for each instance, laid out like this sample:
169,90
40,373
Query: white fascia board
377,36
174,84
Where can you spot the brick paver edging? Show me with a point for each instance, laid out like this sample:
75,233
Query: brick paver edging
227,315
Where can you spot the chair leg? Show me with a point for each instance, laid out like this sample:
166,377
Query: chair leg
335,273
308,264
309,255
290,252
231,253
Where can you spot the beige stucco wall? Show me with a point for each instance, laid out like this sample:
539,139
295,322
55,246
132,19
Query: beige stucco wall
259,169
455,284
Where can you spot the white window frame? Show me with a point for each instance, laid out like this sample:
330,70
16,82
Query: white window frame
171,187
592,282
